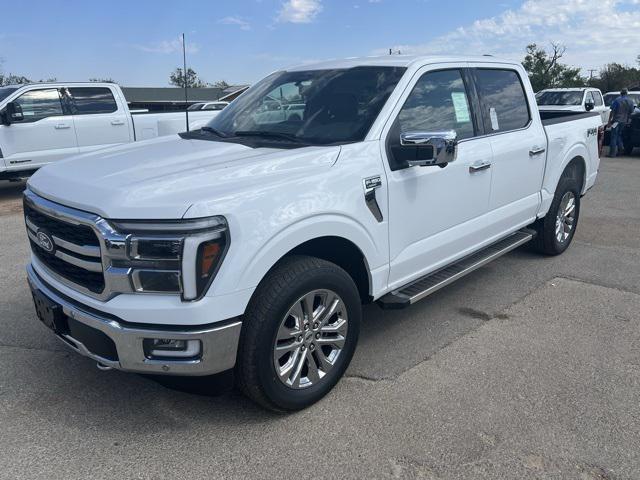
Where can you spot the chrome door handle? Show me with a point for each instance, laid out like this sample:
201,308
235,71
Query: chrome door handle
478,167
62,126
536,151
117,122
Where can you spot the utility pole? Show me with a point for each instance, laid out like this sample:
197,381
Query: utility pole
185,77
591,72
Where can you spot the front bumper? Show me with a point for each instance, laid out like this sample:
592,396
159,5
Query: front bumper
219,342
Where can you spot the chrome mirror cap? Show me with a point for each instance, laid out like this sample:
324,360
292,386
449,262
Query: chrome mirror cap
444,146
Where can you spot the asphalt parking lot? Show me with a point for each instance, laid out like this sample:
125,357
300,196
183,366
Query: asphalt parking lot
527,368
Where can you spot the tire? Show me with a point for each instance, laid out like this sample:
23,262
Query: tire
277,316
547,240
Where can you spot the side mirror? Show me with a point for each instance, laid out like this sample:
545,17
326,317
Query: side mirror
431,148
12,113
589,105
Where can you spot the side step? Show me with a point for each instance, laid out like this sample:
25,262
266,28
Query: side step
425,286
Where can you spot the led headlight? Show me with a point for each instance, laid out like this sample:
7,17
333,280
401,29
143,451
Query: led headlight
179,257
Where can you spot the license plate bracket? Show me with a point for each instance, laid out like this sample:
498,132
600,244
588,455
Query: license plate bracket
49,312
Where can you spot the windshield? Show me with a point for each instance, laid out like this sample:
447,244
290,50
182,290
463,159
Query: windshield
559,98
6,91
610,97
317,107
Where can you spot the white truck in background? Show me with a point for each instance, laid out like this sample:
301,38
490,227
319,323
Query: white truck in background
45,122
580,99
249,245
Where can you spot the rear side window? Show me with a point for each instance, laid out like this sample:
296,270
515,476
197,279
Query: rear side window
597,97
39,104
92,100
503,100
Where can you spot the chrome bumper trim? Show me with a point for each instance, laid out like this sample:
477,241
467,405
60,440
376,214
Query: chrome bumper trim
219,344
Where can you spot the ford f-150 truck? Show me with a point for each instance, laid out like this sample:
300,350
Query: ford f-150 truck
250,246
45,122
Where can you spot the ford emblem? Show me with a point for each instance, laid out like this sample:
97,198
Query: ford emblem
45,241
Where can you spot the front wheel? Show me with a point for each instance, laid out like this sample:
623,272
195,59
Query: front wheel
299,334
557,228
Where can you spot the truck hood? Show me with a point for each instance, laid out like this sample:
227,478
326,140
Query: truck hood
164,177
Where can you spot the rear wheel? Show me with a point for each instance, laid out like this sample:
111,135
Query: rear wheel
557,228
299,334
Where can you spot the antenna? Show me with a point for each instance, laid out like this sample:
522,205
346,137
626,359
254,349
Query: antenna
186,80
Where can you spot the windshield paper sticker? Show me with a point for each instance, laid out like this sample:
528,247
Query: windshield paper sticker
460,106
494,119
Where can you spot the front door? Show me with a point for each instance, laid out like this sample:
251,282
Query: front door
45,134
436,214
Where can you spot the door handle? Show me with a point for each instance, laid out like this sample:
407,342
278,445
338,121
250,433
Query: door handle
536,151
117,122
62,126
479,166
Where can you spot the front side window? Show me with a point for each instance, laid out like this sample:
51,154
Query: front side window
502,99
39,104
332,106
437,103
92,100
589,98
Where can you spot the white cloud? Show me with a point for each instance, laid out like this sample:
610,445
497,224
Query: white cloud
299,11
238,21
595,32
168,46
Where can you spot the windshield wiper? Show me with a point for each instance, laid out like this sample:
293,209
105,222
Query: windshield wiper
215,131
265,133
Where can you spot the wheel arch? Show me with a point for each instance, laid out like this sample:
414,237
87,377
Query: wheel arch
333,238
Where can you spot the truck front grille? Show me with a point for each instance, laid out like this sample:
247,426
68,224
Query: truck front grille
69,250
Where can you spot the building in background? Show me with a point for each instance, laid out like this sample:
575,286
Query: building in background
168,99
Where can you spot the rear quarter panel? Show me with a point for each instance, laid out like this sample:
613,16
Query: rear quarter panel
576,139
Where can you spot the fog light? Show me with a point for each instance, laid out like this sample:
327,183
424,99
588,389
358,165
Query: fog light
156,281
168,347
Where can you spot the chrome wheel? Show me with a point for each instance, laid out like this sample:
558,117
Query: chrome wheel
310,338
566,217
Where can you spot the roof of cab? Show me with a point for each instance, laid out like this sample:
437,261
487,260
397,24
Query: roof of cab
397,61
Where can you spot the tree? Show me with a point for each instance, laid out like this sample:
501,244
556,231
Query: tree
102,80
176,78
546,71
615,76
221,84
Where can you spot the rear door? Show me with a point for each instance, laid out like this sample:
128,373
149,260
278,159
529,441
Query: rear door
602,110
100,120
45,134
518,142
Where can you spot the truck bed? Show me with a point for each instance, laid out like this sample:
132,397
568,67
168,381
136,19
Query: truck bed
552,117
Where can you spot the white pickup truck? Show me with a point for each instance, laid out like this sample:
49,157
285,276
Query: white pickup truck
250,247
45,122
580,99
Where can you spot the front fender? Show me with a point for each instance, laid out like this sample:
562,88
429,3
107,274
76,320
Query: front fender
304,230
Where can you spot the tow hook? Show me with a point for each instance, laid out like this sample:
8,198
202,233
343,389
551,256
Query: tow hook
103,367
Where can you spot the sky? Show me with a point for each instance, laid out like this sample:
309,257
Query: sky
137,42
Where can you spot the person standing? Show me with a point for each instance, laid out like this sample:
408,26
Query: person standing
621,110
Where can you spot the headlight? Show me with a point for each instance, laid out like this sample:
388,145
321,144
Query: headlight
179,257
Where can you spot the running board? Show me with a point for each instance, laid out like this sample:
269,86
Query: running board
433,282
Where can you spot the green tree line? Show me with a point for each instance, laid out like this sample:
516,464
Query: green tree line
547,71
